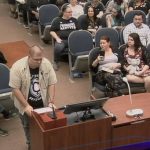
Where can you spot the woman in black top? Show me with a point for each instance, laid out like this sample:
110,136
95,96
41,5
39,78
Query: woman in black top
61,27
143,5
135,60
91,22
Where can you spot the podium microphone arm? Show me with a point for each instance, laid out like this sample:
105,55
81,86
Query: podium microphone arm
53,113
129,89
132,112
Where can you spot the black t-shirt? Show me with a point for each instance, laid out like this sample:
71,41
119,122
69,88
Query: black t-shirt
34,97
86,22
145,6
64,27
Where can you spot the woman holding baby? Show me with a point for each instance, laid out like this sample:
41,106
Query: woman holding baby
135,61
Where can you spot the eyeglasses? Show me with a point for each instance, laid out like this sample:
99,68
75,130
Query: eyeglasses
68,12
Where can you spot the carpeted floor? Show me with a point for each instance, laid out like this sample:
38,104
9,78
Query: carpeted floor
14,51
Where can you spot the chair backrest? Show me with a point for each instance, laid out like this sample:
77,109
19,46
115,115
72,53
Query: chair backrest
4,79
92,56
79,42
111,33
128,18
121,39
148,47
81,20
47,13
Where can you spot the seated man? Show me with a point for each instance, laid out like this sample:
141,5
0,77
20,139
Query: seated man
138,27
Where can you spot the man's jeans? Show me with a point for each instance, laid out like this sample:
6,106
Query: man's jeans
25,122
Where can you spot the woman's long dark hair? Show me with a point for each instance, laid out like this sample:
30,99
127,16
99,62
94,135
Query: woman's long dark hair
94,17
137,41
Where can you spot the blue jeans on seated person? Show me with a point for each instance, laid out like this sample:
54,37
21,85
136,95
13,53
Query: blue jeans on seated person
59,49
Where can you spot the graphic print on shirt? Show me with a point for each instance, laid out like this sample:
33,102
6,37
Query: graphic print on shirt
34,97
34,89
64,26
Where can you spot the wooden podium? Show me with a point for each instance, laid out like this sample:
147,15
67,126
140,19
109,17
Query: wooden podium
48,134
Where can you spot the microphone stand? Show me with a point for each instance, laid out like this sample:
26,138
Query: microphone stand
132,112
53,113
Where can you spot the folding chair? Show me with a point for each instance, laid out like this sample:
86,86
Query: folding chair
46,14
128,18
111,33
80,43
5,90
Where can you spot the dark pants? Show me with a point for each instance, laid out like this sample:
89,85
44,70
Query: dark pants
24,8
59,49
25,123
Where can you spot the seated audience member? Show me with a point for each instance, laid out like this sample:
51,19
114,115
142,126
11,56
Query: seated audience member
97,5
61,27
77,9
13,10
91,22
143,5
135,60
33,8
23,8
114,20
138,27
107,61
120,5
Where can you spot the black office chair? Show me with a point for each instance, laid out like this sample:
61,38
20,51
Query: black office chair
5,90
81,21
80,43
111,33
46,14
128,18
121,39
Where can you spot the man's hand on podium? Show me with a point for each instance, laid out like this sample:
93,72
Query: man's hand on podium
28,110
51,105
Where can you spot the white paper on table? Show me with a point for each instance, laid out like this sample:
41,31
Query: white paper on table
43,110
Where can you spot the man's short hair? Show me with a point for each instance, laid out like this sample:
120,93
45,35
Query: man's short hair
139,14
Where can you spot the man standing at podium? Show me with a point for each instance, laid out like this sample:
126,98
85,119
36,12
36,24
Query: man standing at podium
33,80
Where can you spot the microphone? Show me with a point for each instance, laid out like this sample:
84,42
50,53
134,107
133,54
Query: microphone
132,112
53,113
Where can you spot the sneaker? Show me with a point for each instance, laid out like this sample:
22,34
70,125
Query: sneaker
55,66
26,26
3,132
